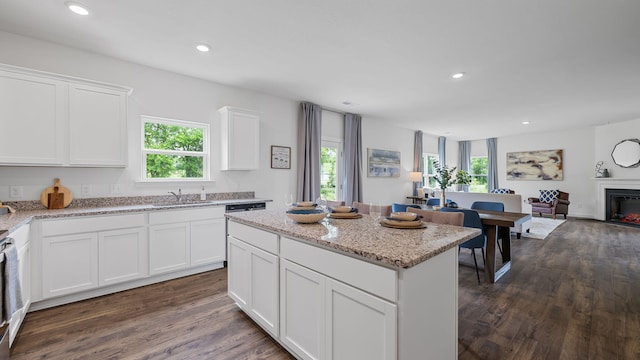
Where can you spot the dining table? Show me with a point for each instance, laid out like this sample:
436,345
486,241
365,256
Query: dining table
496,223
499,223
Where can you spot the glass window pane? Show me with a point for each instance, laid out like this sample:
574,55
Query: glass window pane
172,137
328,160
161,166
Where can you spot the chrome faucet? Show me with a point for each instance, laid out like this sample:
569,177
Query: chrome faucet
178,195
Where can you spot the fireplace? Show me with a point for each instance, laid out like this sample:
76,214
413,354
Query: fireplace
623,206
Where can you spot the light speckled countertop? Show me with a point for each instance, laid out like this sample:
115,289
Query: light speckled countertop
12,222
401,248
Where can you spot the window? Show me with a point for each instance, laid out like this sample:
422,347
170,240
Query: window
478,172
174,150
429,170
330,162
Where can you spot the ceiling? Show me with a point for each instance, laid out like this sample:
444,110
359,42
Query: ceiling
558,64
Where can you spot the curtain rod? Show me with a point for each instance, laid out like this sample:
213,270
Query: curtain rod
333,110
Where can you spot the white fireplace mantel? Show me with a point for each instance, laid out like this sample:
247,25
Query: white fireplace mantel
611,183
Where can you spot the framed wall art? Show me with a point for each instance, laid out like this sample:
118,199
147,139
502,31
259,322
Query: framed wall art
535,165
280,157
383,163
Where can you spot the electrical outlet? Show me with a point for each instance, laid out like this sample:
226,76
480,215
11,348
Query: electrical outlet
115,189
16,191
86,190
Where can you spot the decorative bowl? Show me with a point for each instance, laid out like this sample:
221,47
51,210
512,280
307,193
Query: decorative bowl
307,218
342,209
305,203
403,216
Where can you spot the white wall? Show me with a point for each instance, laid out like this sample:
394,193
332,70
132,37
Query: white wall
578,147
157,93
377,134
607,136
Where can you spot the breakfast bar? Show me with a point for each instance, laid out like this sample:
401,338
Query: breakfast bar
347,288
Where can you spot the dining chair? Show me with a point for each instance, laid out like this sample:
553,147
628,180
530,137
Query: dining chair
472,220
436,201
396,207
385,210
491,206
439,217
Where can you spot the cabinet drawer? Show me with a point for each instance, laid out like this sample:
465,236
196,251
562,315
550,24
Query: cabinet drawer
259,238
91,224
174,216
369,277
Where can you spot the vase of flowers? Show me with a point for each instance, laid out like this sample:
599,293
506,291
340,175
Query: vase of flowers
446,176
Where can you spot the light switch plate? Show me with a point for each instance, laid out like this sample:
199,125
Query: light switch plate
16,191
86,190
115,189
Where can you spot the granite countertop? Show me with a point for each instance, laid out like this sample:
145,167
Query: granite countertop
402,248
11,222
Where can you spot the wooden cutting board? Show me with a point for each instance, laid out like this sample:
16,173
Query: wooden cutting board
44,197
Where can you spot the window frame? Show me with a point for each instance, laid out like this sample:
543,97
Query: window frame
205,154
425,174
485,175
338,145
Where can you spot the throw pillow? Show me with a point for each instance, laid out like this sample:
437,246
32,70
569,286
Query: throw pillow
548,196
500,191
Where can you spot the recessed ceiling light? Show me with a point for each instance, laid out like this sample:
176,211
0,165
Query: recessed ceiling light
77,8
525,123
459,75
203,47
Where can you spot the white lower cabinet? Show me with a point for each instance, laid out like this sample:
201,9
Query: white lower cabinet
326,305
122,255
302,310
85,253
180,239
168,247
322,318
70,263
22,242
253,277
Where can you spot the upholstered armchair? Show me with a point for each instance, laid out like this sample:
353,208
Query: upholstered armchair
550,202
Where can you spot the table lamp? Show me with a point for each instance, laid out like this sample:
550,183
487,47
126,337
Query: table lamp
415,176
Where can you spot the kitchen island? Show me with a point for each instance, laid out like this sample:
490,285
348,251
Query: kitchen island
349,288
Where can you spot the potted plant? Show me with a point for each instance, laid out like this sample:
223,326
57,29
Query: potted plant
446,176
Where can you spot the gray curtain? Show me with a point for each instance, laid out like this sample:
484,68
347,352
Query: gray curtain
492,163
464,160
352,179
309,143
442,142
417,159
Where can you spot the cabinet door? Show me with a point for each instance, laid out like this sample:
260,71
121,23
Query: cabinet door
168,247
97,126
240,139
263,303
207,242
123,255
359,325
238,272
69,264
24,261
32,119
302,310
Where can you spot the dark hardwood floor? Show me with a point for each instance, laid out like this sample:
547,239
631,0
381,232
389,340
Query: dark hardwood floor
574,295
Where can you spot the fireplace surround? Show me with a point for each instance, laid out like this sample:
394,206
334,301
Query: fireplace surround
622,206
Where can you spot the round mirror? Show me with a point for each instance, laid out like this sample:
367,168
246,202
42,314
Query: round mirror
626,153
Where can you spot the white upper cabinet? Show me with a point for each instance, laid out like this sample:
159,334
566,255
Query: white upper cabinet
240,139
32,111
97,126
60,120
